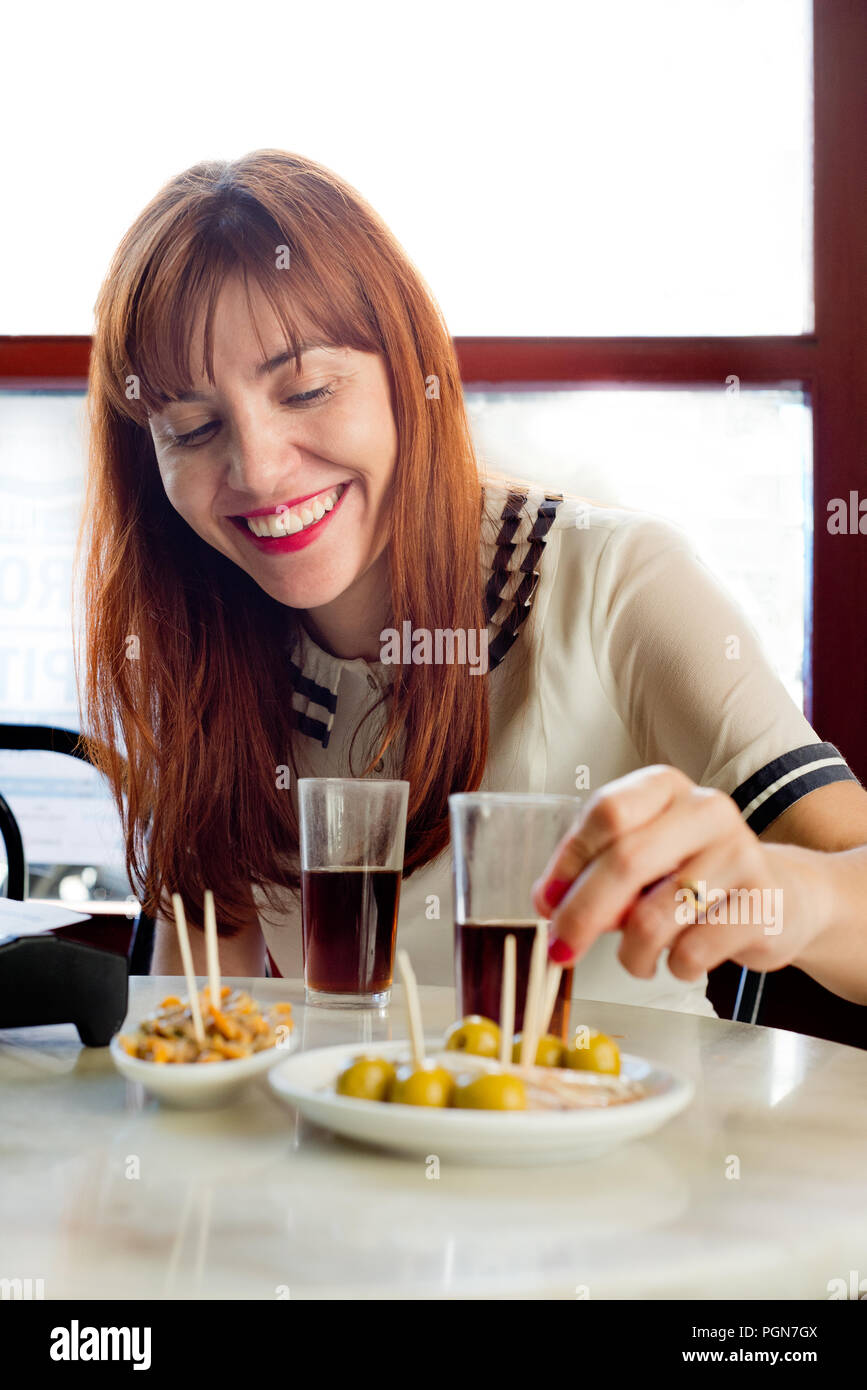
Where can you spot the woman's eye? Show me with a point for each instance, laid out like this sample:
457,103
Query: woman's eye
319,394
194,436
197,436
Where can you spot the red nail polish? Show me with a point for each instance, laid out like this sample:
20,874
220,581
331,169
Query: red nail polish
557,890
559,952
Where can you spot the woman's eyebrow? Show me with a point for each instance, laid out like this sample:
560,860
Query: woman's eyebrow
264,368
274,363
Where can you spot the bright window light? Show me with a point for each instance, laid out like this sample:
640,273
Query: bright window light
624,168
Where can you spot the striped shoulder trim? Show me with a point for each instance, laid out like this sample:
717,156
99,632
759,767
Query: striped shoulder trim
514,575
307,694
782,782
317,694
313,728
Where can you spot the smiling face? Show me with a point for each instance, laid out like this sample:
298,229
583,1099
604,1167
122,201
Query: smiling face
285,471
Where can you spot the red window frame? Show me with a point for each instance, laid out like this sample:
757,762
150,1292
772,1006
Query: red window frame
829,365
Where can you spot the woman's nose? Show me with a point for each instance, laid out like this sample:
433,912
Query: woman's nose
261,459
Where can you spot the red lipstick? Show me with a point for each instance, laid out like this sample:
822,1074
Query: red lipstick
280,545
290,506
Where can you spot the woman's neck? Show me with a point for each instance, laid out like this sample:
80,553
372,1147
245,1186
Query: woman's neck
350,625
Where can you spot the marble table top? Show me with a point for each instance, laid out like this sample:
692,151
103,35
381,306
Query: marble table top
758,1190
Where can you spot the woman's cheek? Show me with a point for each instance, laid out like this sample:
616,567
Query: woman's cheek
189,491
352,442
363,436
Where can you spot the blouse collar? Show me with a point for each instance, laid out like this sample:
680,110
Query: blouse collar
514,531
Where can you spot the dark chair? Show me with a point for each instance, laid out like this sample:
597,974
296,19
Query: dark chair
735,992
45,738
789,999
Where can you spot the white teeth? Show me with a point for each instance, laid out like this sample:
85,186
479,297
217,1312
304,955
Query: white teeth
286,523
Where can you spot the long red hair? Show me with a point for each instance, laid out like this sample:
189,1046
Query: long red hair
184,708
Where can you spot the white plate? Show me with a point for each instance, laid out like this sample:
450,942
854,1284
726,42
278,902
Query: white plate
198,1085
509,1139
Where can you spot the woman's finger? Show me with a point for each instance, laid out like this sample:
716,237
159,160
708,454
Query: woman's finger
612,882
657,918
615,810
740,916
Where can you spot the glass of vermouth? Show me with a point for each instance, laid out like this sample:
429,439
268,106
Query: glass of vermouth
352,844
501,842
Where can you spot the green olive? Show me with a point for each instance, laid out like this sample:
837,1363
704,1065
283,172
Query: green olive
367,1078
549,1050
475,1034
429,1085
495,1091
599,1053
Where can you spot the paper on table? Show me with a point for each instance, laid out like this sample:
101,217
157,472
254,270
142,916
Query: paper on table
31,918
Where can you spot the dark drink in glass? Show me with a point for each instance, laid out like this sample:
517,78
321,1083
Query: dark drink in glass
479,972
349,922
502,844
352,832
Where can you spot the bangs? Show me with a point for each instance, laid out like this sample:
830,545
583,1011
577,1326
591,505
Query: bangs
173,298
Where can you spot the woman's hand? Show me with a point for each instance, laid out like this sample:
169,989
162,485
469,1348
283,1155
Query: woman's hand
643,836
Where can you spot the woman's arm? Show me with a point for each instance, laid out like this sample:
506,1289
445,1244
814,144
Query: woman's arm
834,819
243,954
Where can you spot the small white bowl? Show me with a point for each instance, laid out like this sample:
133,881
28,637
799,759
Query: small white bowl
198,1085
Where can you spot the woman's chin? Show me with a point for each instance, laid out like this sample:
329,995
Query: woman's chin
311,593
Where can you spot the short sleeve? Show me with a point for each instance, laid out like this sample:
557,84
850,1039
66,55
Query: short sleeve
686,671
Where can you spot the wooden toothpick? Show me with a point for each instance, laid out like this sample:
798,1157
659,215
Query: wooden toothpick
507,1001
534,1003
187,958
413,1005
552,986
212,950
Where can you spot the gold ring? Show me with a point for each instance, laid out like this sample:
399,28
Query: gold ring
689,885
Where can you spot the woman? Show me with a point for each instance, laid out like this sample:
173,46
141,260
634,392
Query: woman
282,475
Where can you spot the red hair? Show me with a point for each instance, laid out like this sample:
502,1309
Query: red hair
189,731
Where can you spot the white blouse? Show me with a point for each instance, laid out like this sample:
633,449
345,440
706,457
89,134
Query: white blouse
611,646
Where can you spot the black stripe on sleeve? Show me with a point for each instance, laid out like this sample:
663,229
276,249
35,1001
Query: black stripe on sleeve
798,786
773,771
794,790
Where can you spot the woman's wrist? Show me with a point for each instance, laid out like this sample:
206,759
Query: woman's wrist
836,953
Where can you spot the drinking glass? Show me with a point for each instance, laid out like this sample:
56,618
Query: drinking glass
501,843
352,841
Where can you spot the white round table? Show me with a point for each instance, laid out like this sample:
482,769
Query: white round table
104,1194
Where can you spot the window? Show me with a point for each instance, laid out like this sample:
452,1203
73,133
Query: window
581,168
732,469
645,225
69,826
